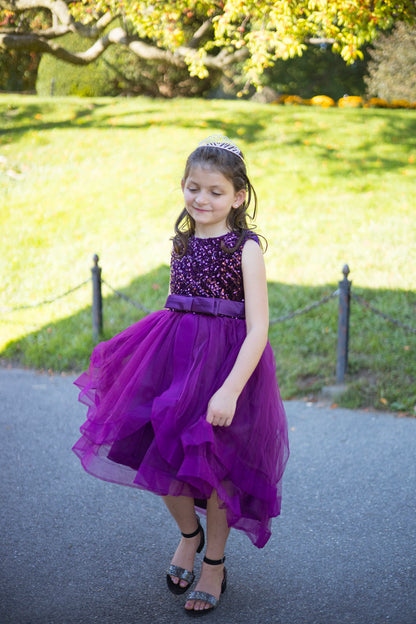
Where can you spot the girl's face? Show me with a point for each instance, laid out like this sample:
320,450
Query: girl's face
209,198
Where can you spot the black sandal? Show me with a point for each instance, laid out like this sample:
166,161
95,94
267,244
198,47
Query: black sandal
181,573
200,595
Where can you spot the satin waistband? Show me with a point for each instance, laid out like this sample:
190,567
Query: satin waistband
206,305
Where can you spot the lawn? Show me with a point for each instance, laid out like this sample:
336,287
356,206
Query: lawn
335,186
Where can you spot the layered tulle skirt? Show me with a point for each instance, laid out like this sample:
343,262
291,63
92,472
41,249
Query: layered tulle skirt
147,391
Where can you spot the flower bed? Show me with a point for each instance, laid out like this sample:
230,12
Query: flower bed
348,101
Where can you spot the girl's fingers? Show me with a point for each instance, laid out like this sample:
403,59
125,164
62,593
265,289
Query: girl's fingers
221,421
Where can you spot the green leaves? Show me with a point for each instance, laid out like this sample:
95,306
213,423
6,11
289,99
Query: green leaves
208,35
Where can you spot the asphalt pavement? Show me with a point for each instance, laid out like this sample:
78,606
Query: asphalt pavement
74,549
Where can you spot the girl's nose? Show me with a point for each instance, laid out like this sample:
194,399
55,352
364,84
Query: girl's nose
201,199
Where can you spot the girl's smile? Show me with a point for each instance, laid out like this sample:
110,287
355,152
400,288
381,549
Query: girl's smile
209,198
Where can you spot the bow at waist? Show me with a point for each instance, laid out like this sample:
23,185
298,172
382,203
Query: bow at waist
206,305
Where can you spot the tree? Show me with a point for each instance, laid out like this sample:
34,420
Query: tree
203,35
116,72
391,70
18,68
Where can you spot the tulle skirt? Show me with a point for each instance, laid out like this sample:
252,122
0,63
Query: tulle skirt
147,391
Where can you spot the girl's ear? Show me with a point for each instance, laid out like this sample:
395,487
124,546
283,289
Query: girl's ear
239,198
183,184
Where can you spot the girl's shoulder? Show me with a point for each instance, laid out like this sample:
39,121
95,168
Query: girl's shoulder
250,235
234,242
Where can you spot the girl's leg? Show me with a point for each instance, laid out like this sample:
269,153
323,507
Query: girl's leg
217,534
182,508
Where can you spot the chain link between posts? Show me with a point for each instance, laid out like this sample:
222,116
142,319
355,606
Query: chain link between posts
121,295
306,309
383,315
273,321
30,306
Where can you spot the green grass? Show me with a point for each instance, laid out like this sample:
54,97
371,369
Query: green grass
336,186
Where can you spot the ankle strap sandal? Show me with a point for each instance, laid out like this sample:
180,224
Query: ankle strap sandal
204,596
181,573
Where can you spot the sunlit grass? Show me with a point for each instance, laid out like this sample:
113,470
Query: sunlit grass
79,177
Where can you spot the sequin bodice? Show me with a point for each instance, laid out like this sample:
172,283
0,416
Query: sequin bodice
207,270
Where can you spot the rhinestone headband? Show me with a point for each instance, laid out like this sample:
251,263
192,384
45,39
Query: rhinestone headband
222,142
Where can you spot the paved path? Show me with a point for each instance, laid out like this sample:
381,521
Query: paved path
77,550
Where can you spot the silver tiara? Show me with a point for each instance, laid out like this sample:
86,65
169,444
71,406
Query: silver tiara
222,142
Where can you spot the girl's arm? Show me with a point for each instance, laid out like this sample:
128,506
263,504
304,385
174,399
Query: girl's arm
221,407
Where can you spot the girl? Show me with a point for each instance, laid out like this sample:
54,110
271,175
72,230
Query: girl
185,402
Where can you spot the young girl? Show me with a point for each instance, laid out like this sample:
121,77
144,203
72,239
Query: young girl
185,402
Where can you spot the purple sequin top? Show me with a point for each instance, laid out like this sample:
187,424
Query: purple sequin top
206,270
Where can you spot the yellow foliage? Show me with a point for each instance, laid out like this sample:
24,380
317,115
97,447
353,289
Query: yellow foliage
322,100
380,103
376,103
265,31
400,104
292,100
350,101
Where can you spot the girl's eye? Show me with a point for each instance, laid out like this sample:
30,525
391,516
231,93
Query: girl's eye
216,194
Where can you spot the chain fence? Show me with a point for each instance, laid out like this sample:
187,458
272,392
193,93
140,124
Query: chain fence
141,306
306,309
343,293
136,304
273,321
383,315
279,319
30,306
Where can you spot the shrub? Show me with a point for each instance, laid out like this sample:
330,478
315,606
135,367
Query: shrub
18,70
322,100
318,70
292,100
376,103
391,70
350,101
400,104
56,77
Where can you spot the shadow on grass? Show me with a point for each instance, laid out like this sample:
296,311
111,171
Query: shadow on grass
382,363
305,127
28,117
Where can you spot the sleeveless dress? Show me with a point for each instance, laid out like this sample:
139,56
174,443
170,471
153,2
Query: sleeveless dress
147,391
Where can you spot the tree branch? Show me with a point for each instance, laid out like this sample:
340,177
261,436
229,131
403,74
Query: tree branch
65,21
198,34
319,40
56,7
117,36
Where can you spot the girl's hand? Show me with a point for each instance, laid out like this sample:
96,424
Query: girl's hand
221,408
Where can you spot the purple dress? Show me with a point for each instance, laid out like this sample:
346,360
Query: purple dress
147,391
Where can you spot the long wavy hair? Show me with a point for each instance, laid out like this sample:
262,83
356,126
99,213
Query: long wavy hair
239,219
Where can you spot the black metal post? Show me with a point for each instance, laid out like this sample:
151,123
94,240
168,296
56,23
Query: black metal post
343,325
97,302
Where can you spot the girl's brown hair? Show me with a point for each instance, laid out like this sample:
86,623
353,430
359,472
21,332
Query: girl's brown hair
233,168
